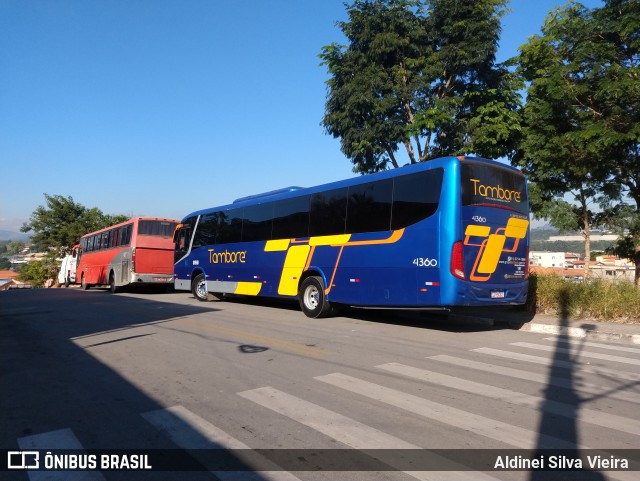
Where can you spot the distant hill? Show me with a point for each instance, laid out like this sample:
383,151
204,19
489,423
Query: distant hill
7,235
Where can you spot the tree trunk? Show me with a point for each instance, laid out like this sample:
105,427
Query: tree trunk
636,260
587,235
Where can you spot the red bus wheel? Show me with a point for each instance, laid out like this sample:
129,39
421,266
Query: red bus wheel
112,284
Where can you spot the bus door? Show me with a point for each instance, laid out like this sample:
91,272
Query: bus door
125,267
495,227
124,238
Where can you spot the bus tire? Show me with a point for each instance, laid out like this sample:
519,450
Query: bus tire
83,283
112,284
313,302
199,288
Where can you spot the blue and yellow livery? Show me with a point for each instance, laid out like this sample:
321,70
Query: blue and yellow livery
449,232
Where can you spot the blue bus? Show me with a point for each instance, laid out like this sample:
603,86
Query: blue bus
449,232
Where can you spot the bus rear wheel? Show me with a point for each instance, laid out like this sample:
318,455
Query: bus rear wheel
199,288
112,284
312,300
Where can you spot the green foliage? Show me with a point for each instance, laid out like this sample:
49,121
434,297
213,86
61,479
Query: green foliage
38,272
420,75
581,122
14,247
62,222
597,248
597,299
5,264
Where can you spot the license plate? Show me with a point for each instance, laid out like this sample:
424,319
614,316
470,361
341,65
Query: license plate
497,294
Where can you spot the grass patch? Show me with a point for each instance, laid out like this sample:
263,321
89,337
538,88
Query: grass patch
597,299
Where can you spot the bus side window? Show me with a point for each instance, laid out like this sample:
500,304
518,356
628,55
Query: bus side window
230,227
415,197
328,212
369,207
257,222
291,218
207,230
125,235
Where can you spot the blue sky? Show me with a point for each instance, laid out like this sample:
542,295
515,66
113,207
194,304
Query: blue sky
160,108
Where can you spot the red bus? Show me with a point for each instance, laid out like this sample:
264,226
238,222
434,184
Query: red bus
136,252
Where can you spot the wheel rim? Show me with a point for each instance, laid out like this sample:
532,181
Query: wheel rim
311,297
201,289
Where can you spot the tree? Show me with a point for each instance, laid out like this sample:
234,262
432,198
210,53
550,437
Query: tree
37,272
557,151
617,99
15,247
580,124
419,75
62,222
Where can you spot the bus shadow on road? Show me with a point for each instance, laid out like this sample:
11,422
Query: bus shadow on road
456,319
58,391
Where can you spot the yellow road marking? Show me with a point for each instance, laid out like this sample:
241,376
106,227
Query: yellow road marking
267,341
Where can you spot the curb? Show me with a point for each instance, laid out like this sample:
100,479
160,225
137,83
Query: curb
581,332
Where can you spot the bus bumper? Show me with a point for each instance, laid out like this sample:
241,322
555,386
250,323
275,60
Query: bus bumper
137,278
492,295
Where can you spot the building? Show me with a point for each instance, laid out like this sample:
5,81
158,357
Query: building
547,259
569,266
8,280
612,267
580,238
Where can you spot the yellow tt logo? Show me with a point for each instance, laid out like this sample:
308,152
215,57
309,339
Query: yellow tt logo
493,245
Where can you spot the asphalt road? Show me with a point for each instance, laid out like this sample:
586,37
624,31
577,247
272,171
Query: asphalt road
94,371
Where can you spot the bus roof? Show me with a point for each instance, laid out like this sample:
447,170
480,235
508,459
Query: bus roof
128,221
291,192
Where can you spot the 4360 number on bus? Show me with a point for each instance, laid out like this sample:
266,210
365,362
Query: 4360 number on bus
425,262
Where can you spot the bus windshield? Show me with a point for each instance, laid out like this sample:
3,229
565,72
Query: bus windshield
158,228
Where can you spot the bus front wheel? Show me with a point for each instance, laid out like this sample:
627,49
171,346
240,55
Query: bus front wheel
199,288
313,302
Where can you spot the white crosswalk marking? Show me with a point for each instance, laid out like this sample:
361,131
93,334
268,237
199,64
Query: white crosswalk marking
591,416
592,355
490,428
546,361
599,345
341,428
60,439
583,387
190,431
336,426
